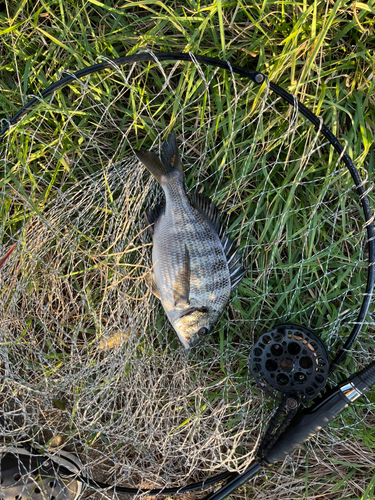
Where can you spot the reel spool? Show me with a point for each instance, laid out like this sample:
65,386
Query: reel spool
290,360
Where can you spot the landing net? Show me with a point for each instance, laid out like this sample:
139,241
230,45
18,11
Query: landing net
89,363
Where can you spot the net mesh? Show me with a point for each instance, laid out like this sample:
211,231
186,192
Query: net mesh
89,362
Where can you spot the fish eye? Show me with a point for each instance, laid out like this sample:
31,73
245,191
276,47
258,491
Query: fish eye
202,332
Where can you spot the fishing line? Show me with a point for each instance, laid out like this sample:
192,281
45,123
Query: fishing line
270,365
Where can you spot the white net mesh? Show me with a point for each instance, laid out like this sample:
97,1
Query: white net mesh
88,360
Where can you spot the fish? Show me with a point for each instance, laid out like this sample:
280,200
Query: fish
194,266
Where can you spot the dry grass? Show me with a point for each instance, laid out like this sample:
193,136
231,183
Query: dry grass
80,334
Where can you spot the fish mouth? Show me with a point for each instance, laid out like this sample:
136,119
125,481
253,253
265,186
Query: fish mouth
188,341
194,342
187,328
185,339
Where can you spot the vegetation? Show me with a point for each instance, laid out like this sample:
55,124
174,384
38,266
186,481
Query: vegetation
309,267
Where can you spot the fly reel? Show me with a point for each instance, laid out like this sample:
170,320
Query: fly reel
290,360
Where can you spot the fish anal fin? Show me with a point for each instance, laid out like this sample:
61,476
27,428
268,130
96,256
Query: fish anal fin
151,283
181,290
153,215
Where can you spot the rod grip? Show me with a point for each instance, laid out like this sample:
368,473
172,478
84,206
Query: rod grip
306,424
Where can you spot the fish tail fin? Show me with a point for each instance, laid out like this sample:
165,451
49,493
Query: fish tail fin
153,165
162,168
170,155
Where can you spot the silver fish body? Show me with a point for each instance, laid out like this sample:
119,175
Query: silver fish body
194,266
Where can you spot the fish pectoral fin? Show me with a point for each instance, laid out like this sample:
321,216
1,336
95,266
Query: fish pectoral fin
181,290
151,283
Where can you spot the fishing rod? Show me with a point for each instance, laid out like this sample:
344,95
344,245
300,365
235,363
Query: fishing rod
289,363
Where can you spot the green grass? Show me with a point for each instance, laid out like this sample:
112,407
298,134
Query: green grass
305,265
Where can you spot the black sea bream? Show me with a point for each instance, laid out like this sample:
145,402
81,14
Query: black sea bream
194,266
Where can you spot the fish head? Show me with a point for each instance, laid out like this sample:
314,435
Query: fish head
193,324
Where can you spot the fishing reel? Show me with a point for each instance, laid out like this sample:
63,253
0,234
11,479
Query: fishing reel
290,363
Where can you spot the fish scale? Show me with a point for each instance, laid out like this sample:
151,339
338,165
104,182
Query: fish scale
192,238
194,266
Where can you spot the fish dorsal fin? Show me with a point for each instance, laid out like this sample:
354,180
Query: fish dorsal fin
169,153
208,209
237,276
151,283
236,269
234,260
181,290
153,215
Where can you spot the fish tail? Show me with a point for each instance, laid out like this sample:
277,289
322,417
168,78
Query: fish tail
164,167
170,155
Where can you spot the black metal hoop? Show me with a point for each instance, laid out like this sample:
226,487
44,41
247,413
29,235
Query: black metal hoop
257,78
